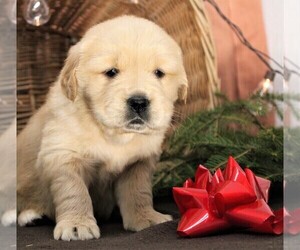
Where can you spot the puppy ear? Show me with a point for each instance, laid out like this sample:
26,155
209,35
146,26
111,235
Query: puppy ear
67,76
183,89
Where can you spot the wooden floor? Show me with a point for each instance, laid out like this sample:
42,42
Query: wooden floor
162,236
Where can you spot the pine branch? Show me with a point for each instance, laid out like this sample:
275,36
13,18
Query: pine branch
209,137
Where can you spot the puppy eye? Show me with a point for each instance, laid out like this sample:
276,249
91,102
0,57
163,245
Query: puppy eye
159,73
111,73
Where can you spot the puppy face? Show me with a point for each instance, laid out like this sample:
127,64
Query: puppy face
129,73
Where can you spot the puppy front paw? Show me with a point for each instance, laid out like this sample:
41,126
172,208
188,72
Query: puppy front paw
144,219
84,229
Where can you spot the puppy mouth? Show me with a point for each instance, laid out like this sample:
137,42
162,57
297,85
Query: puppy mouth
136,124
139,126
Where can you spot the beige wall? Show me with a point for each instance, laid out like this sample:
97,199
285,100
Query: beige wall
282,22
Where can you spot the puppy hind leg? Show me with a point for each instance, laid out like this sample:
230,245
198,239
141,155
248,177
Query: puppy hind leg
9,218
33,203
28,216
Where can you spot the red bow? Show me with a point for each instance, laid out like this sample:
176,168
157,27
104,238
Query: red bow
230,198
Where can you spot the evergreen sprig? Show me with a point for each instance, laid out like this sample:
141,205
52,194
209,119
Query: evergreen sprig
233,128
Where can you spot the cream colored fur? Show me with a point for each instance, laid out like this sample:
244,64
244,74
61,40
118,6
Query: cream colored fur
76,158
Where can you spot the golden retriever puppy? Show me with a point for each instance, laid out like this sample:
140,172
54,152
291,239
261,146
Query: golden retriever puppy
95,141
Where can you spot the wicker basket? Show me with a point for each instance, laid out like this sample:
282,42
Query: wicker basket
42,50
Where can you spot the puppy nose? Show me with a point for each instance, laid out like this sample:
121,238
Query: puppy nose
138,103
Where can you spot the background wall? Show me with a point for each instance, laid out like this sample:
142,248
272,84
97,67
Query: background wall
239,68
282,21
291,45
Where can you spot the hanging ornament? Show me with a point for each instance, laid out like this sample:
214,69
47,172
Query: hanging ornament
11,8
37,12
266,85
